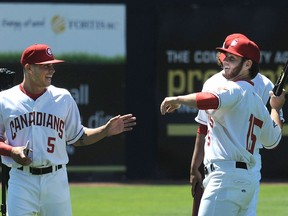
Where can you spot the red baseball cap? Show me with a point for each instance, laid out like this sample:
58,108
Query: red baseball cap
244,48
228,41
38,54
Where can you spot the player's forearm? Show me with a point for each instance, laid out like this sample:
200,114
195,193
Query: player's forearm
198,156
200,100
198,153
188,100
5,149
275,115
92,135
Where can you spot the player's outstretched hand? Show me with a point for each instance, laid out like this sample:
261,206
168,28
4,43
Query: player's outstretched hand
120,123
17,153
168,105
277,102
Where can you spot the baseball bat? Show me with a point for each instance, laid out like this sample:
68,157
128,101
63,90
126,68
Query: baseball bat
3,181
197,199
278,88
27,148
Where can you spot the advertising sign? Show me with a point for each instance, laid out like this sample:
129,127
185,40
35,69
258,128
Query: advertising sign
76,32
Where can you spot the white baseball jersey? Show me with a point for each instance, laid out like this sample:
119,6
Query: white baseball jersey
232,136
49,123
262,87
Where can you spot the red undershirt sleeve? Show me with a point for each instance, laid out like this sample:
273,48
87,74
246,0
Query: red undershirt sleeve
206,100
5,149
202,129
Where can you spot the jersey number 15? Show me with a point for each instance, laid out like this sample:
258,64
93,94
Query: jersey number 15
251,137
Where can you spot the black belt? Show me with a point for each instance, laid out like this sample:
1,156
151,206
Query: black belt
41,171
211,167
241,165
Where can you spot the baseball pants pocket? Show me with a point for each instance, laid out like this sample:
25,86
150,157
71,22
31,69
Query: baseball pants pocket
227,193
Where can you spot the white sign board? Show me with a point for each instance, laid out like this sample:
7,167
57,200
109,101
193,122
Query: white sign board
69,29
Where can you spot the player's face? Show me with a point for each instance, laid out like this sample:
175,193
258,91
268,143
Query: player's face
232,66
42,75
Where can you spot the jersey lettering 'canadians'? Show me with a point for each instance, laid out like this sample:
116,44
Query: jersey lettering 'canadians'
36,119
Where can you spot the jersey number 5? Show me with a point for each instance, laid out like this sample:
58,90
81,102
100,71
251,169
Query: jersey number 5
251,138
50,144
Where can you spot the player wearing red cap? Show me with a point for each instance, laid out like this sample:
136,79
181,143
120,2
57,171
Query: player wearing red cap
262,86
37,121
237,121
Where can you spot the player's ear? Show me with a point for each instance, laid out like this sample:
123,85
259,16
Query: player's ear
27,67
248,63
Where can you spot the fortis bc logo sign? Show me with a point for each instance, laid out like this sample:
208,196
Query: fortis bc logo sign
58,24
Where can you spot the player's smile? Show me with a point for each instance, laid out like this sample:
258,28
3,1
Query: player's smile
232,65
48,71
49,79
226,68
228,72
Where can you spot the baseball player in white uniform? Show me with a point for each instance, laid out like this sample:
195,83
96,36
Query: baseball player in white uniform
37,121
262,87
237,119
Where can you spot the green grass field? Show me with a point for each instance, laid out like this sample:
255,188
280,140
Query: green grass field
158,200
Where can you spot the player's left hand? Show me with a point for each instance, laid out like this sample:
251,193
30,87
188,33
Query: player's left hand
119,124
277,102
169,104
